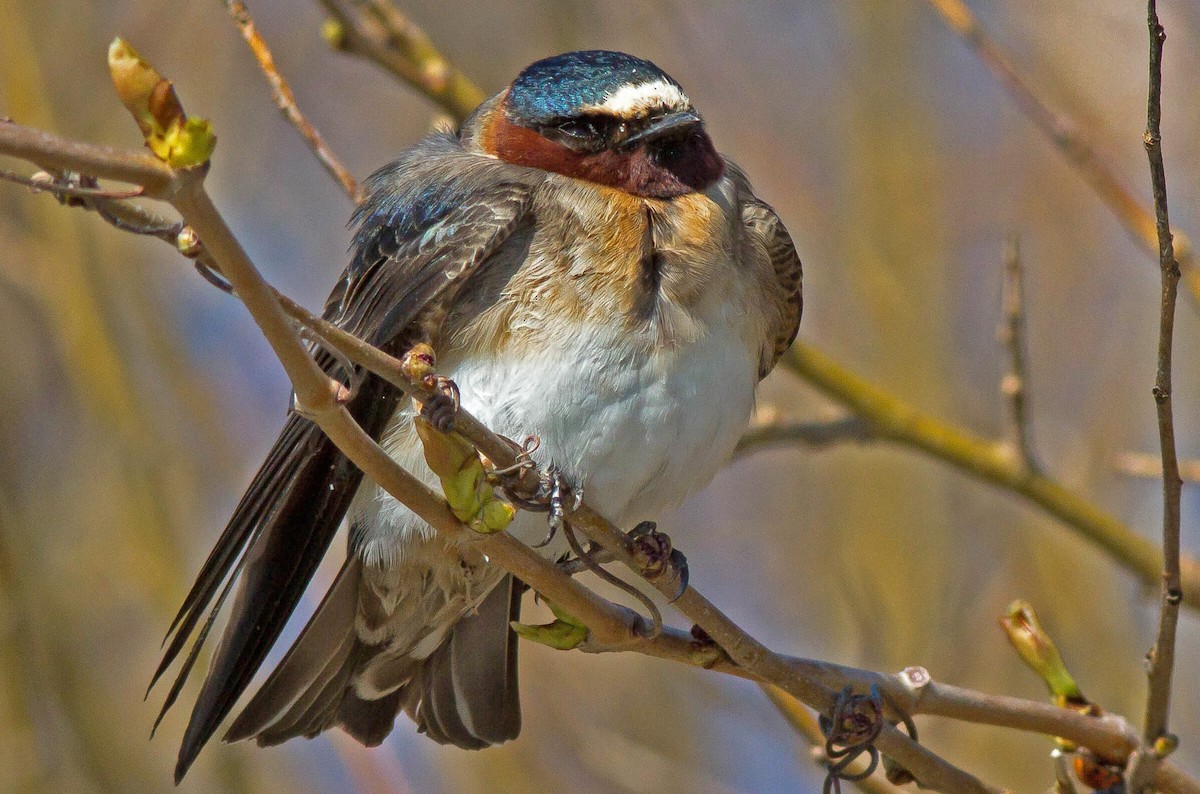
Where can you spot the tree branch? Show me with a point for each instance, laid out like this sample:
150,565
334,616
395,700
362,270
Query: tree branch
45,149
1160,661
893,419
916,693
377,31
1064,133
814,435
285,100
1015,384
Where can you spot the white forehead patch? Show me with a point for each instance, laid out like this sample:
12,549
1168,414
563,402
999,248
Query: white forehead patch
636,99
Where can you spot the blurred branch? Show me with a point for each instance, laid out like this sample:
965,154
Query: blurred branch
285,100
1157,743
43,180
1144,464
377,31
892,419
1064,133
1015,384
815,435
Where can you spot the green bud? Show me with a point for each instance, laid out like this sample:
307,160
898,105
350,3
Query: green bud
1038,651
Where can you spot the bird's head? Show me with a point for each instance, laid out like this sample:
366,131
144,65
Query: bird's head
605,117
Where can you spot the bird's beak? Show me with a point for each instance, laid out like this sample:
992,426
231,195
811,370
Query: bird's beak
669,125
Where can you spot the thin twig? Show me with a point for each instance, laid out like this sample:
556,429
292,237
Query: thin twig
377,31
37,146
1160,661
45,181
1015,384
1064,133
815,435
285,100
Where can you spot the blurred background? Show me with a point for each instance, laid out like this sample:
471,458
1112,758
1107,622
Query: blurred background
138,401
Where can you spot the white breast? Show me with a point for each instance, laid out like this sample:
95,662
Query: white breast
640,431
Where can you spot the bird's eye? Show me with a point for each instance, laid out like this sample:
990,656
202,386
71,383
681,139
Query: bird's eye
578,128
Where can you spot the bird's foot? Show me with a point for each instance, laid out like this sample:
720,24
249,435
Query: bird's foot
657,558
561,493
553,493
441,409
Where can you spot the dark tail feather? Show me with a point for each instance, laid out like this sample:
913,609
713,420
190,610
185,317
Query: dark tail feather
287,519
369,721
466,694
318,657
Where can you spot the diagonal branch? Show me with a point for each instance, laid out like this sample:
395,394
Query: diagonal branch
1064,133
895,420
285,100
377,31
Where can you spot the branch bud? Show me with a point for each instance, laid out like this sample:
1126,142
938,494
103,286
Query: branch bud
150,98
1038,651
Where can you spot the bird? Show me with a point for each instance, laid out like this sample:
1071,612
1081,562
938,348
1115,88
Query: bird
589,272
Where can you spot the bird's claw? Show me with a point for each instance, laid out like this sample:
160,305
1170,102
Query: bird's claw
441,409
559,492
553,494
657,558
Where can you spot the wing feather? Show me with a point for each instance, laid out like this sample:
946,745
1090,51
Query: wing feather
430,222
763,225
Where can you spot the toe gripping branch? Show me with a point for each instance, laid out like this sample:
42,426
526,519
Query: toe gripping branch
657,558
441,408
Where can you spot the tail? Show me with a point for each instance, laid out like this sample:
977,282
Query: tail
275,540
464,693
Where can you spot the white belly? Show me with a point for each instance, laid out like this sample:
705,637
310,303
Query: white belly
640,431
